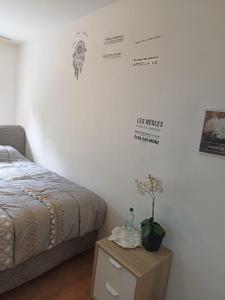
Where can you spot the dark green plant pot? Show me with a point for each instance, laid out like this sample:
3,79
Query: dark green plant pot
153,241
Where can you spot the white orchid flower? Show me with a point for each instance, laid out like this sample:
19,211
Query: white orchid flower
150,186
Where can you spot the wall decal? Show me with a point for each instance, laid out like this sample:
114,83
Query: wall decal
79,53
148,130
146,52
148,39
114,39
112,55
213,133
112,47
145,61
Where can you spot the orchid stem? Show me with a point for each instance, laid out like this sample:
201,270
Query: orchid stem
152,195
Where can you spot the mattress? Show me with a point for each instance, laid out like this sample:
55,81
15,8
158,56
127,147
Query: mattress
40,209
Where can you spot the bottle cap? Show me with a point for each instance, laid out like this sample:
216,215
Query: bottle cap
131,209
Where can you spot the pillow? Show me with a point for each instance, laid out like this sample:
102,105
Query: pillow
8,153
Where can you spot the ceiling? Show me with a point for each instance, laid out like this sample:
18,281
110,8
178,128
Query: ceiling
21,20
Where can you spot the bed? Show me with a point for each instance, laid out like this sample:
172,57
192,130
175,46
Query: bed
44,218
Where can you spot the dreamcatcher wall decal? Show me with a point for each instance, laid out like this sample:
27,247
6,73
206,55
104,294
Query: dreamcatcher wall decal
79,53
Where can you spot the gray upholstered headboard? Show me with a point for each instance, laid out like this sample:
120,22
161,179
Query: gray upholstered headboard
13,135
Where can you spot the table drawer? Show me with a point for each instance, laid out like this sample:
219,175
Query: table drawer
112,280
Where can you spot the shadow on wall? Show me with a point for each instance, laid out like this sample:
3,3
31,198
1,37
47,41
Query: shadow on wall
112,217
28,152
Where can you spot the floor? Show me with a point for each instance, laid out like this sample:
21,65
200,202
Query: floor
69,281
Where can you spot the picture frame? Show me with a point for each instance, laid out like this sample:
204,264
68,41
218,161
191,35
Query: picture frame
213,133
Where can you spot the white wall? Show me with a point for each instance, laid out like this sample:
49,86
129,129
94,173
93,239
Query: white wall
84,129
8,82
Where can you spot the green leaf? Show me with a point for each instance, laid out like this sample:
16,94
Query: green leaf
157,229
146,229
144,222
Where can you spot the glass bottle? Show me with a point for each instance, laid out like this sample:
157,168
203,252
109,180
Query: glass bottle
128,228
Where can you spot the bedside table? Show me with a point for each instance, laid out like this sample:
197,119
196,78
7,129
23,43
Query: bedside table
129,274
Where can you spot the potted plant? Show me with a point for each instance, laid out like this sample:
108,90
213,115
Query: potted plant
152,232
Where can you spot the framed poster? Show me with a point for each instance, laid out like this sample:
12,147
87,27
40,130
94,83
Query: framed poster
213,133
